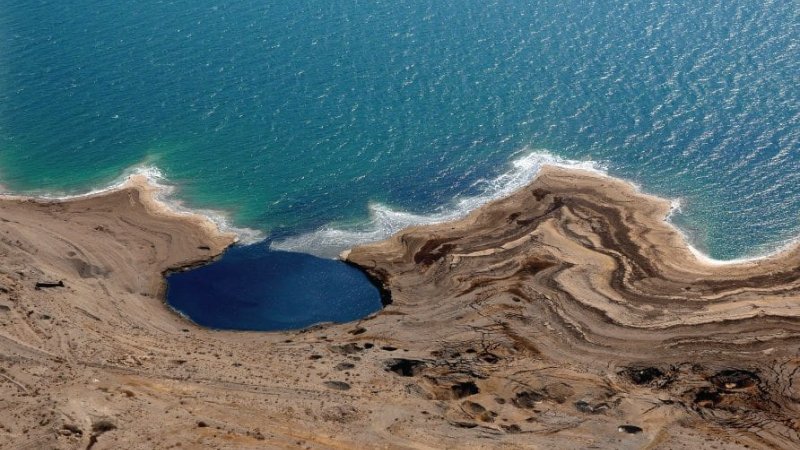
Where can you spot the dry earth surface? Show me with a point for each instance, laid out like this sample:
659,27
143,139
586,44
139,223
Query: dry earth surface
568,315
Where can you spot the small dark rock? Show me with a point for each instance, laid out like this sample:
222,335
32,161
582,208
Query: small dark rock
735,379
464,389
103,426
344,366
644,375
347,349
405,367
490,358
48,284
201,424
337,385
588,408
630,429
73,429
707,398
527,399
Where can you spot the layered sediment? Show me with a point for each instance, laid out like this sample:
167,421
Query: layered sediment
568,315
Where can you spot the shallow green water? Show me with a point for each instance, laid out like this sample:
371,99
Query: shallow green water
295,117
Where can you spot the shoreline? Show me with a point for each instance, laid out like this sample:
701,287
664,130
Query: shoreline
150,178
788,246
585,270
534,315
655,245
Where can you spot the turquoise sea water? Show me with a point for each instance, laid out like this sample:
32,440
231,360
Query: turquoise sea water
322,123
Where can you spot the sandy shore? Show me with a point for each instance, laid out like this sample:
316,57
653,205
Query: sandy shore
567,315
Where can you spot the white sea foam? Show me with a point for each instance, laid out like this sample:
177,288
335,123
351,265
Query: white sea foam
164,195
768,253
153,175
329,241
676,206
384,221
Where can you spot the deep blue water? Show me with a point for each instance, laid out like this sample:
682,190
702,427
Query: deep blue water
253,288
328,123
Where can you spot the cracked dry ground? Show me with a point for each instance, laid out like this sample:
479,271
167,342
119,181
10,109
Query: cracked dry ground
568,315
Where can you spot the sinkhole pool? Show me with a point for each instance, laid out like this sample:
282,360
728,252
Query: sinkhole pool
255,288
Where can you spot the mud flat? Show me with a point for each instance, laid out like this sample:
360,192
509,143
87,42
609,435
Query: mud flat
567,315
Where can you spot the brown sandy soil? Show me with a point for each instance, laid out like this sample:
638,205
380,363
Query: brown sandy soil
569,315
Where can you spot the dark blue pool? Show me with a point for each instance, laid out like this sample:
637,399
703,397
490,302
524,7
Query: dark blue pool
254,288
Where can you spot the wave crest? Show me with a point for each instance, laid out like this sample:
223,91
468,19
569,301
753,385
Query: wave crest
329,241
164,195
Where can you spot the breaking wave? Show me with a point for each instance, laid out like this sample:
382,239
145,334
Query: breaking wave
330,240
164,195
